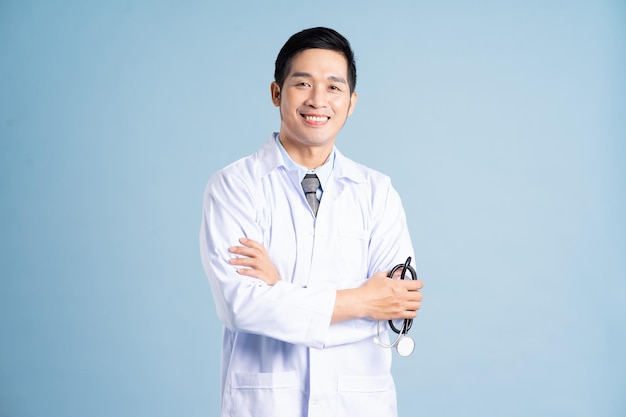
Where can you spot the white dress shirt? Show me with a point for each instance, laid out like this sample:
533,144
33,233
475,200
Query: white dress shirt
281,356
323,172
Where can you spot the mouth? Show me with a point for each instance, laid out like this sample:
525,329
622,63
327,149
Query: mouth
315,118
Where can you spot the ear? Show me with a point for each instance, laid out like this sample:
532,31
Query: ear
353,100
275,91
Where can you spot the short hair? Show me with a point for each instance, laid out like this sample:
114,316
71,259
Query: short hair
314,38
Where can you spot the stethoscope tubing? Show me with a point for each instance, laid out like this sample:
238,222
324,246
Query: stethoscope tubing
403,343
407,323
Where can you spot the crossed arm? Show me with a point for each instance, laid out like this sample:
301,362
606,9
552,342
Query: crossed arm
379,298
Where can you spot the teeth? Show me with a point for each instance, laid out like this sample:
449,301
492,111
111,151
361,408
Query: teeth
316,118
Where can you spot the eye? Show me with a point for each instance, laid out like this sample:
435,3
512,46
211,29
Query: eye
303,84
334,88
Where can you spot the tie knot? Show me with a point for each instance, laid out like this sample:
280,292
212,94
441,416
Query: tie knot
310,183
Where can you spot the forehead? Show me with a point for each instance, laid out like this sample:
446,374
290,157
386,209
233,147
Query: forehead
319,61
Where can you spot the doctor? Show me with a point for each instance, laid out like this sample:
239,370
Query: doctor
296,241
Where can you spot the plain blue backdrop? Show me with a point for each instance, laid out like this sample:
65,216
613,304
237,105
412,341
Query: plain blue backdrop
502,125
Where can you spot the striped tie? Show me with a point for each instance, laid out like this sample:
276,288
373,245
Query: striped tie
310,184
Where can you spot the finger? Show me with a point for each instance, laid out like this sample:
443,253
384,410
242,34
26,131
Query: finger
413,306
411,298
248,262
407,314
244,251
249,272
412,285
251,243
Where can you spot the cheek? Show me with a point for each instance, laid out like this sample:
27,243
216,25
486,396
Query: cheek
289,115
287,107
341,105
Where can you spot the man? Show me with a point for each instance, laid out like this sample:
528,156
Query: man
296,241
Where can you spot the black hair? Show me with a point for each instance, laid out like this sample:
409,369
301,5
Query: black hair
314,38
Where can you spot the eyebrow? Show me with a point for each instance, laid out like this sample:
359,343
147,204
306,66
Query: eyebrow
330,77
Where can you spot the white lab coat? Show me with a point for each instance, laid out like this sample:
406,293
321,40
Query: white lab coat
281,356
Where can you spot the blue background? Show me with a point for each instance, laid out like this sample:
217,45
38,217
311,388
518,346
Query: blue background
501,123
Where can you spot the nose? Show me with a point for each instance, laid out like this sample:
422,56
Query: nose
318,97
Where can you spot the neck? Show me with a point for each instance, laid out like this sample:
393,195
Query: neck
309,157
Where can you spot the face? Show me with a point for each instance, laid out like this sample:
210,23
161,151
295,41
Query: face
315,100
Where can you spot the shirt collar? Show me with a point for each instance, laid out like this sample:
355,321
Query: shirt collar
323,172
343,169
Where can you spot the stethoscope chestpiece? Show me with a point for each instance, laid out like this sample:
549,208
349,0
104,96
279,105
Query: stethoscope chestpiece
405,346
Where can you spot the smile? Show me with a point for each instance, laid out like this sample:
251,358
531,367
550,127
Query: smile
317,119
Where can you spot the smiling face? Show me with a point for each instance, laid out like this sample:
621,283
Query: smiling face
314,101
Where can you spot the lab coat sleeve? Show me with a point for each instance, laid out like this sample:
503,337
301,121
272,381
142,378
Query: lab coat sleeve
390,244
283,311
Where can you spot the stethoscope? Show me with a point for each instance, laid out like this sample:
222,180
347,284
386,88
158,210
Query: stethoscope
404,344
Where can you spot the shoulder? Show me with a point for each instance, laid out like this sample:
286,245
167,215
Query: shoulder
241,171
247,171
235,183
370,186
246,167
349,170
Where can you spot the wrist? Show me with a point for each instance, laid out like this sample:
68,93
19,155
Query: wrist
349,305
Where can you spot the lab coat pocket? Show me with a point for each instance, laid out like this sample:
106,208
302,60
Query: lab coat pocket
353,252
364,396
266,394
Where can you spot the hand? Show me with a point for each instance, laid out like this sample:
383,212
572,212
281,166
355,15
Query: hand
255,260
379,298
388,299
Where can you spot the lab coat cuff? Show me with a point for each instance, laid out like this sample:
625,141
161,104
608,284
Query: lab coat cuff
319,324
